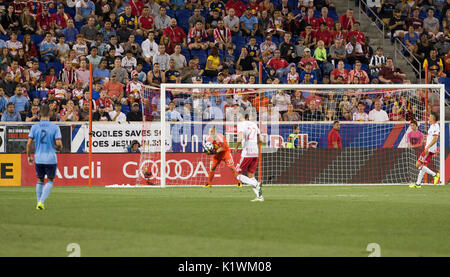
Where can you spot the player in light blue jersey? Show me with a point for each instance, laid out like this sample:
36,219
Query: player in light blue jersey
47,138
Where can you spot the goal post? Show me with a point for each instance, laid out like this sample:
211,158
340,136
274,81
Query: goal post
370,148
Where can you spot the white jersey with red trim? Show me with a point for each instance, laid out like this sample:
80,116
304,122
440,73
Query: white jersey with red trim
134,88
250,131
432,132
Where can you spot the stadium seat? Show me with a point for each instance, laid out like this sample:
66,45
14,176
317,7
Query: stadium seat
170,13
333,14
37,39
42,67
446,82
185,52
70,11
4,37
139,39
317,14
78,25
182,17
20,37
201,54
57,66
145,67
348,67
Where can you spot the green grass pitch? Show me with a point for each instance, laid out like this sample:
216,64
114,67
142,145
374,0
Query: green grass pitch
221,221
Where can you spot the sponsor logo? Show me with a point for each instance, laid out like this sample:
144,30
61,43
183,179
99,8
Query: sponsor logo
175,169
10,170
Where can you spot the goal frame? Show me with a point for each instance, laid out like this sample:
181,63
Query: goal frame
166,86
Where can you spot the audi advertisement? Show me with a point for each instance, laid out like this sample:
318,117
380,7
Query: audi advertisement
123,169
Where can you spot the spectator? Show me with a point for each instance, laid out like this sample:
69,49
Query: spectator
196,17
70,32
360,115
33,115
80,47
249,23
431,24
120,72
325,19
29,47
101,114
222,36
149,48
213,63
60,19
10,21
397,25
146,22
190,72
308,69
394,115
162,58
281,100
237,5
44,21
197,37
128,19
355,32
291,115
312,113
134,114
162,21
3,101
358,72
339,71
347,20
69,112
415,136
339,33
415,21
268,48
176,34
84,10
13,44
334,138
180,60
281,66
123,32
390,74
293,77
354,51
113,88
324,35
10,113
271,114
129,62
169,46
172,114
155,76
435,67
27,22
107,32
89,31
377,114
116,115
377,62
287,48
134,147
232,22
320,55
84,111
309,35
442,46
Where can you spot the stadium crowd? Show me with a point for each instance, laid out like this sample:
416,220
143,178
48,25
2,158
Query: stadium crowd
46,47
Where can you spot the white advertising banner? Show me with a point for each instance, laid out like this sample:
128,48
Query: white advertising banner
113,138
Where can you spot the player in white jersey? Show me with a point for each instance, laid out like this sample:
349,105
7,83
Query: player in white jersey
249,136
429,152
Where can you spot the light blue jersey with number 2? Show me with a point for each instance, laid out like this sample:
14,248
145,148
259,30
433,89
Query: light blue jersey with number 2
44,134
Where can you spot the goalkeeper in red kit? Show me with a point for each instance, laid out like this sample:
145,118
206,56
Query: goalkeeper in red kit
220,152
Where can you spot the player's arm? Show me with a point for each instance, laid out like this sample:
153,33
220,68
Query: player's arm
30,159
58,144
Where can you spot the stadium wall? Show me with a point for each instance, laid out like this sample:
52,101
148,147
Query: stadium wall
110,144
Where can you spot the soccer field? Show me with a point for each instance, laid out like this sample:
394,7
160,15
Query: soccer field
221,221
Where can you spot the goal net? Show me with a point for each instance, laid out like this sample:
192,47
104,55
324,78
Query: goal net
295,123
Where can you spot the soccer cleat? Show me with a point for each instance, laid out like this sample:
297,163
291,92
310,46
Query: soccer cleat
258,199
40,206
415,186
239,185
436,179
207,186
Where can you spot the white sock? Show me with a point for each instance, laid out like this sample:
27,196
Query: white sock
248,181
253,183
420,177
429,171
259,194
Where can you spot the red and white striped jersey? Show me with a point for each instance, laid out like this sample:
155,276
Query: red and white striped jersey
134,88
222,35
